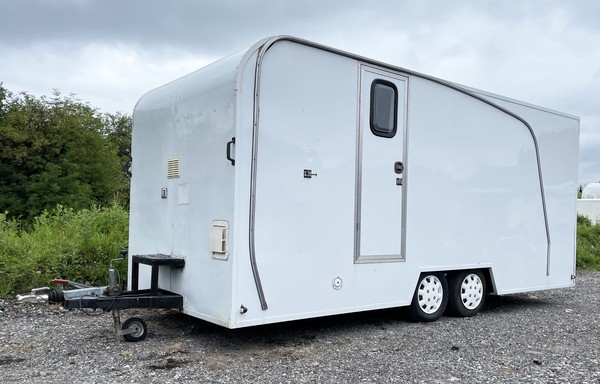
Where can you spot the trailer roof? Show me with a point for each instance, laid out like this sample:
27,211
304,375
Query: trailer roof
269,41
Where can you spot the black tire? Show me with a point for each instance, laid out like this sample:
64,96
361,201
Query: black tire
430,299
467,293
139,328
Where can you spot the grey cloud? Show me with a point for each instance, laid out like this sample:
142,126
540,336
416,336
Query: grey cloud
190,24
540,51
213,24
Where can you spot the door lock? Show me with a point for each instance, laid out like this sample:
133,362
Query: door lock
398,167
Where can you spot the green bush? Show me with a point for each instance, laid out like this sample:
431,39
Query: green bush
62,243
60,150
78,246
588,244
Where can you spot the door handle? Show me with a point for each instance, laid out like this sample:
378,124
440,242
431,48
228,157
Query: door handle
398,167
229,144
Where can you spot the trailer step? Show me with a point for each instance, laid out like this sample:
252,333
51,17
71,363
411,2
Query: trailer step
156,261
159,259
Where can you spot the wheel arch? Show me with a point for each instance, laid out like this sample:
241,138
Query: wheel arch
490,286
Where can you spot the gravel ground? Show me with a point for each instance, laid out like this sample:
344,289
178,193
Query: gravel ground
545,337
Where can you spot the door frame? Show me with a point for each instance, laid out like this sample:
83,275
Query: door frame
385,75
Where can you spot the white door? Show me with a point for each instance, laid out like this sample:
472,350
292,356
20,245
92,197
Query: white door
380,166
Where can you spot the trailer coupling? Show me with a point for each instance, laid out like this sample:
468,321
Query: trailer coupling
133,329
58,295
112,297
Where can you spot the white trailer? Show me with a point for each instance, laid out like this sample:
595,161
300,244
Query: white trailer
292,180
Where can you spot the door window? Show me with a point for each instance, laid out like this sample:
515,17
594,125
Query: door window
384,108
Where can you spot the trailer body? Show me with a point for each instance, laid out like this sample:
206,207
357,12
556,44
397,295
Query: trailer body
298,181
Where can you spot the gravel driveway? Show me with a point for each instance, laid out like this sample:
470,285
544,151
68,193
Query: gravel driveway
544,337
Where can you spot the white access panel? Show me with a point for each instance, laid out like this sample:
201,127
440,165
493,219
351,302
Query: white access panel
304,225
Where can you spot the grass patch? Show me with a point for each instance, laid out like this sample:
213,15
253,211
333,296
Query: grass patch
78,245
588,244
62,243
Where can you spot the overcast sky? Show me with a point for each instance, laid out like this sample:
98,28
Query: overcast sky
110,52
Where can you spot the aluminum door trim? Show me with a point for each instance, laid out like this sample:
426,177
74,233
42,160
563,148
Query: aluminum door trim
386,75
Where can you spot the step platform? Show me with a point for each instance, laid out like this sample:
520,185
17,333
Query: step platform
136,298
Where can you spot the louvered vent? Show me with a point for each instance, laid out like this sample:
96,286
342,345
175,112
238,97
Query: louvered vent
173,170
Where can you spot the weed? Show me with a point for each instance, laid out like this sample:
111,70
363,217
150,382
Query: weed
62,243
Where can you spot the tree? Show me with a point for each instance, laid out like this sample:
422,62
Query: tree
54,151
117,130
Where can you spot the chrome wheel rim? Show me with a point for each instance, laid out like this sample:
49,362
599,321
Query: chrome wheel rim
430,294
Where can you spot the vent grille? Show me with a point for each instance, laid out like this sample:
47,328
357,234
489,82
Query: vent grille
173,170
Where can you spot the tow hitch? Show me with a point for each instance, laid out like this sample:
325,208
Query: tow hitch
112,297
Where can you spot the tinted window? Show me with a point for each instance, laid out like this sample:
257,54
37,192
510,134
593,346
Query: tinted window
384,107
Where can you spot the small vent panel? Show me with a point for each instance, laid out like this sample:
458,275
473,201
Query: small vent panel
219,234
173,170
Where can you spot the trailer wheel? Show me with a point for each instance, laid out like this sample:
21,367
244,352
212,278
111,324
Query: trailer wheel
137,327
430,298
467,293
